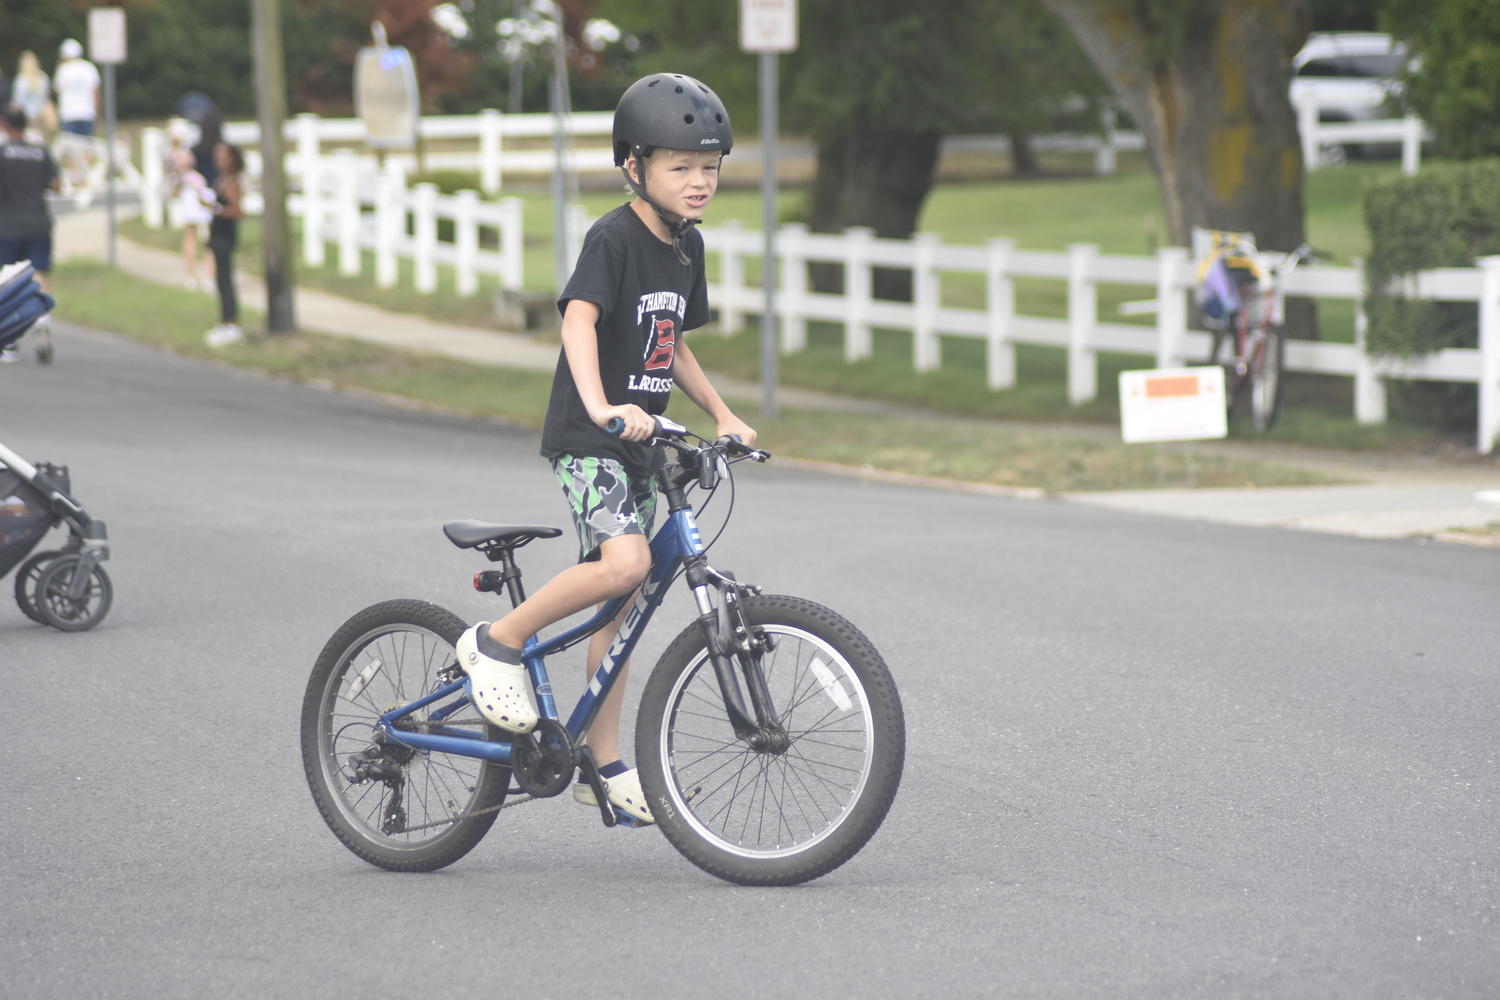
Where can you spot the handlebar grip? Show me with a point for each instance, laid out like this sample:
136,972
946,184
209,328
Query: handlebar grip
615,426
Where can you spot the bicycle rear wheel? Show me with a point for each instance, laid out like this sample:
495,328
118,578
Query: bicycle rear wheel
763,817
397,808
1265,380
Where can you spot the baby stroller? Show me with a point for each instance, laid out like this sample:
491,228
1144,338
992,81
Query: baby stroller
65,588
24,306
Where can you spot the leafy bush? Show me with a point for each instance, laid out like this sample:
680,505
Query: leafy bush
1444,217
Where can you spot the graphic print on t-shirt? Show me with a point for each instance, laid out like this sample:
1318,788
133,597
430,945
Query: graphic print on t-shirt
663,347
660,347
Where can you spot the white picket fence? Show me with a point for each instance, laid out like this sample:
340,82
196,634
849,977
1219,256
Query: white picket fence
1316,135
1083,333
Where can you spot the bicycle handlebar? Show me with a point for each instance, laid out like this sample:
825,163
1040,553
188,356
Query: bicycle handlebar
671,432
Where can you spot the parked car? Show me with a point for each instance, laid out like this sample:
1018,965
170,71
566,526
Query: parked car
1353,75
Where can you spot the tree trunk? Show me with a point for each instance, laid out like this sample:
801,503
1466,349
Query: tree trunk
877,177
1022,156
1216,114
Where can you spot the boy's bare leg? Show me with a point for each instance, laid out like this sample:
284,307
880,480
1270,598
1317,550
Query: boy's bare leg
604,734
623,563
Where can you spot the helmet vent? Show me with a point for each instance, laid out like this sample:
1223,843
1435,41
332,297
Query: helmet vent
653,83
719,119
679,89
687,119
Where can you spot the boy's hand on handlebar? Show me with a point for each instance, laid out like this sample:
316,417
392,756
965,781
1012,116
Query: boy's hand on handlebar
732,426
639,425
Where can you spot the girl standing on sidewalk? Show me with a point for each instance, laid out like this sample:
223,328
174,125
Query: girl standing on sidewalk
223,234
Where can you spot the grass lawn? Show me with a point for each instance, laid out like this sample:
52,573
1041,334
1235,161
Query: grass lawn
97,296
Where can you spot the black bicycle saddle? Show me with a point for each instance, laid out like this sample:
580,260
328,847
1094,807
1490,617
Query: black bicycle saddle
468,533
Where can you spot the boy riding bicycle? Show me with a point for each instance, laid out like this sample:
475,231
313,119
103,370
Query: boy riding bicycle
638,286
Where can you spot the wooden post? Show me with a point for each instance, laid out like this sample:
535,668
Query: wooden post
466,241
1000,289
858,292
794,285
512,244
927,292
1369,388
424,225
270,98
1489,355
1171,307
1083,314
731,278
490,142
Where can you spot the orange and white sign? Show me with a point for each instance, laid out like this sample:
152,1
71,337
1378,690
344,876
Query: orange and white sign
1173,404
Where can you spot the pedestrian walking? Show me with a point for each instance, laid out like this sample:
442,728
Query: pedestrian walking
31,91
223,234
77,84
27,173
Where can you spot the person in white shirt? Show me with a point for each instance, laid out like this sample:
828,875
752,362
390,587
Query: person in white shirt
77,84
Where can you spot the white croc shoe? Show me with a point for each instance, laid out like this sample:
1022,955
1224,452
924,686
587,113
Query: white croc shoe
501,691
624,791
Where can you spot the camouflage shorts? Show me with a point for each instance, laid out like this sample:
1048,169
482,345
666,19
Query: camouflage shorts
606,501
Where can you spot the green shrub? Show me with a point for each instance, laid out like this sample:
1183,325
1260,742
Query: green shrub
1444,217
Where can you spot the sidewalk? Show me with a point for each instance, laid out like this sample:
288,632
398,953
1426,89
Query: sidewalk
1398,496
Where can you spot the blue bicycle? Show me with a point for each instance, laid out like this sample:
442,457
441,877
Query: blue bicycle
769,740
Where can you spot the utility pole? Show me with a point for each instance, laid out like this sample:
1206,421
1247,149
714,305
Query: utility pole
270,93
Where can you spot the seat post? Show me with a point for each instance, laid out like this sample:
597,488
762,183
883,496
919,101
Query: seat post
511,574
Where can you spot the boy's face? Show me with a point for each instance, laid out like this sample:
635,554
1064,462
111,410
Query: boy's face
682,181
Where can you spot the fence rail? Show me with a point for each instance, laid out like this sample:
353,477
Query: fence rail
1083,333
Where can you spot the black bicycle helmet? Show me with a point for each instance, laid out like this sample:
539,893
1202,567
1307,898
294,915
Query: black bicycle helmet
670,111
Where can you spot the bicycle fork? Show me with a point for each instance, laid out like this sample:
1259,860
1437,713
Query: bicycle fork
730,639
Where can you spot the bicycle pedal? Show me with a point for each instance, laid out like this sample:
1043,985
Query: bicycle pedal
623,818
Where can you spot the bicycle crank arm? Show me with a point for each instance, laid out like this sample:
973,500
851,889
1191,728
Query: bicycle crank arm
589,771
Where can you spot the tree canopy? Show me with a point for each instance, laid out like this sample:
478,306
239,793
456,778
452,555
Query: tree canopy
1454,84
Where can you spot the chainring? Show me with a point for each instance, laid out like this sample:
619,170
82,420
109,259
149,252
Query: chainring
542,760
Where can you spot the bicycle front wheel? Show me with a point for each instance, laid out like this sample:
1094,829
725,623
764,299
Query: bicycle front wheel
397,808
1265,381
774,817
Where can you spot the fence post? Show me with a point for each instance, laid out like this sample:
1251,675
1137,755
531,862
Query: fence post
1411,145
346,212
1369,388
1307,127
1171,307
1489,355
390,223
1104,157
576,229
153,180
858,290
512,244
489,151
466,241
731,278
1083,313
308,163
424,227
926,296
1000,298
793,287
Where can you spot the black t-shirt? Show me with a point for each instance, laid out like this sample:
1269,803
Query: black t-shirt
647,298
26,171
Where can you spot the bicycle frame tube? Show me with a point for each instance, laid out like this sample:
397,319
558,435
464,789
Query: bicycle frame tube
677,540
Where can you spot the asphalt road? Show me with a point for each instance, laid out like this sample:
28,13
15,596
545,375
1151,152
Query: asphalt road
1147,757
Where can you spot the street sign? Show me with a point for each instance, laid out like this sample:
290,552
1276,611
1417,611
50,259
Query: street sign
1173,404
385,96
107,35
768,25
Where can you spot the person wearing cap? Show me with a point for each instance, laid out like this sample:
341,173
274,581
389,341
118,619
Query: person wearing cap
77,85
638,286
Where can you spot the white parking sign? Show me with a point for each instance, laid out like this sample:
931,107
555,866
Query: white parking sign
107,35
768,25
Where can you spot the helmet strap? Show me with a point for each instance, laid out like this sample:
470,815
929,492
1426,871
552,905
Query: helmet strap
677,226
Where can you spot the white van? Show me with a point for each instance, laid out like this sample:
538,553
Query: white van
1351,75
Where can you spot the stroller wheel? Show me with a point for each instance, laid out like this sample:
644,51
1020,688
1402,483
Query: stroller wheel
26,579
69,603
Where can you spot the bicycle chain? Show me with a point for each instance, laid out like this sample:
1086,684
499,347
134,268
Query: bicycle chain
477,812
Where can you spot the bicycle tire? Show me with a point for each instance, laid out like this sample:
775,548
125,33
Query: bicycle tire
26,580
387,655
57,606
1265,381
841,771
